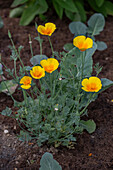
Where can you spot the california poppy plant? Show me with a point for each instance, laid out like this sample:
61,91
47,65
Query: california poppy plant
37,72
49,65
93,84
48,29
26,82
82,42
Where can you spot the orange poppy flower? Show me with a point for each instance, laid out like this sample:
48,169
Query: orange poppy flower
26,82
82,42
37,72
49,65
48,29
93,84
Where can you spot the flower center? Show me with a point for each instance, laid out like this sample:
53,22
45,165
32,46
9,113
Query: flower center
26,82
37,74
48,31
91,87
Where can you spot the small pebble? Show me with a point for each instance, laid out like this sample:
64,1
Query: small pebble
92,136
16,162
6,131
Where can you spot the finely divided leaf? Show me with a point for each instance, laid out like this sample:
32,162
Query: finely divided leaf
7,111
68,47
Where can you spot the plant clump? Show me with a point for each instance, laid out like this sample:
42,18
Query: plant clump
54,111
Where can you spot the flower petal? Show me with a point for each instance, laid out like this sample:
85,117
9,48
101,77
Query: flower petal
85,82
25,86
26,78
88,43
50,28
41,29
79,41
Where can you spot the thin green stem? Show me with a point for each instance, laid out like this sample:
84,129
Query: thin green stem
25,97
60,89
30,42
51,46
32,94
50,83
46,84
15,68
16,52
9,72
83,58
91,96
40,42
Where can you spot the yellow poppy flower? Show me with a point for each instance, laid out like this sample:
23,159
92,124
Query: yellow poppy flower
49,65
48,29
37,72
82,42
26,82
93,84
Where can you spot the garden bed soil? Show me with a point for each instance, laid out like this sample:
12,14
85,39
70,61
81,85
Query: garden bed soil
92,151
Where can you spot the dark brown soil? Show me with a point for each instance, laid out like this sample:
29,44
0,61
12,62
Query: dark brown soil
16,154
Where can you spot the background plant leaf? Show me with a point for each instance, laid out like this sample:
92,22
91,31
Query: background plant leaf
18,2
106,83
96,24
101,45
109,7
58,9
48,163
89,125
31,11
77,28
99,2
101,9
72,16
81,10
16,12
37,58
68,5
